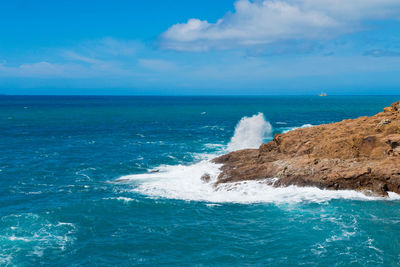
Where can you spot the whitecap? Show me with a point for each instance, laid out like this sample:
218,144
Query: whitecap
213,205
15,238
213,146
123,199
184,181
36,232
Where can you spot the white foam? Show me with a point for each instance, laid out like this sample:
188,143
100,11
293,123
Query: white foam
14,238
68,224
123,199
210,205
37,234
250,132
184,182
211,146
178,182
394,196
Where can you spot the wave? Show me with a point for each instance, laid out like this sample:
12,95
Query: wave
250,132
31,235
185,183
179,181
123,199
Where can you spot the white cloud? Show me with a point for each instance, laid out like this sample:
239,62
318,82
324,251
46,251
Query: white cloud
46,70
157,64
261,22
109,47
40,69
106,57
71,55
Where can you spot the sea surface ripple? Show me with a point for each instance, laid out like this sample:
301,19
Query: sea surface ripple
114,181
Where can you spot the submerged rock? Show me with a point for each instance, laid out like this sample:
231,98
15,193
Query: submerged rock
359,154
205,178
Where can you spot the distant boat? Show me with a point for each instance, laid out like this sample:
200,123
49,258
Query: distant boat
322,94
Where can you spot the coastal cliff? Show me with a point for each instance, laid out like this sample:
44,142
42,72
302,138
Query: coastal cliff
360,154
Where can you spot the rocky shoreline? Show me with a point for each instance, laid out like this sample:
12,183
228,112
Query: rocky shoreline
360,154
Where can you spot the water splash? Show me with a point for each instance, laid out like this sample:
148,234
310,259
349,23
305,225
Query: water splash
250,132
184,182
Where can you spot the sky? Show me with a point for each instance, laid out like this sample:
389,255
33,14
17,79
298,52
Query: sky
208,47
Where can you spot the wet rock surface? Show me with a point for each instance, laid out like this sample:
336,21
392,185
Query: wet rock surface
359,154
205,178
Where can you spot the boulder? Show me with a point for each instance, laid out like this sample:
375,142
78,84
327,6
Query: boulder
205,178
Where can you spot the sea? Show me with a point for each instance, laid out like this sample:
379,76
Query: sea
115,181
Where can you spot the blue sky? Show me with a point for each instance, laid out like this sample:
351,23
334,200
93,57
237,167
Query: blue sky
200,47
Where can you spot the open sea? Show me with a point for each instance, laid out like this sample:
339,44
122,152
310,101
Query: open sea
115,181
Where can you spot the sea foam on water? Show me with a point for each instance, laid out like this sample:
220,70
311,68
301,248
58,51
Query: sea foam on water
183,181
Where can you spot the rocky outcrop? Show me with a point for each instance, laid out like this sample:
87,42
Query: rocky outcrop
359,154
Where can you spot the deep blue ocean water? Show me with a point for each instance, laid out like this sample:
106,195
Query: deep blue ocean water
61,202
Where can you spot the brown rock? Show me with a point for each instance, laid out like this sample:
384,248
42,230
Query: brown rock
205,178
396,106
388,109
361,154
384,122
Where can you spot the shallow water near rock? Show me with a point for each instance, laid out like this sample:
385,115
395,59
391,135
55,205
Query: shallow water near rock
116,181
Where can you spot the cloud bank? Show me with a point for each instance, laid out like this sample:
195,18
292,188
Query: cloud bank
262,22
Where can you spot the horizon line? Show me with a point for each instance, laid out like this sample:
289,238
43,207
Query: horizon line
197,95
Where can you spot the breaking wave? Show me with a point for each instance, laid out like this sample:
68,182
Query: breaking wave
184,181
250,132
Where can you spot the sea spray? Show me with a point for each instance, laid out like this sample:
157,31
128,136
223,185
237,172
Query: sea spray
177,181
250,132
183,182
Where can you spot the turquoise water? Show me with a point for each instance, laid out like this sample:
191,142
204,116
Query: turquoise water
61,202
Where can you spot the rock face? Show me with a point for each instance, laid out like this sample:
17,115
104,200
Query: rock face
360,154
